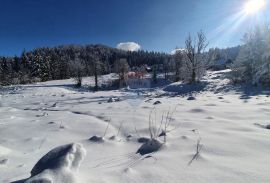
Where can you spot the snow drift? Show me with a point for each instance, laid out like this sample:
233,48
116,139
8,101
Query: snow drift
59,165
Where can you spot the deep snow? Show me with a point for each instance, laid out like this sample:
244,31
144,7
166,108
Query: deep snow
230,121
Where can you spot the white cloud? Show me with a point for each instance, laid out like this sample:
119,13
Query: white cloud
129,46
178,50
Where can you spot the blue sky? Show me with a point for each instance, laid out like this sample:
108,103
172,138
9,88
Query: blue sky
156,25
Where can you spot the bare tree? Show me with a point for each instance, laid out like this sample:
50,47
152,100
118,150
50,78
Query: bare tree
95,68
121,67
195,63
93,64
166,67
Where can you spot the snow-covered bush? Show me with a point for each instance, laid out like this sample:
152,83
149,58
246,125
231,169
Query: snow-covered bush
77,71
78,76
253,62
178,66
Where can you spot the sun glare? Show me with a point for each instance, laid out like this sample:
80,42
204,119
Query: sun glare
254,6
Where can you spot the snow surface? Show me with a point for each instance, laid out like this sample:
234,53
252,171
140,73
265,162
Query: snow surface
230,121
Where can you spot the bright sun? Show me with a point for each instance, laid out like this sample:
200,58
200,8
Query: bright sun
254,6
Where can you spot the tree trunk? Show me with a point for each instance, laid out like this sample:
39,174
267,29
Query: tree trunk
193,77
177,73
96,80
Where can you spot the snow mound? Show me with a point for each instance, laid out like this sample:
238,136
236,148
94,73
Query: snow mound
263,126
96,139
3,161
191,98
4,151
143,140
149,146
111,99
157,103
59,165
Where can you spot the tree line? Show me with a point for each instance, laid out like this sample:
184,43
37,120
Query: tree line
63,62
250,62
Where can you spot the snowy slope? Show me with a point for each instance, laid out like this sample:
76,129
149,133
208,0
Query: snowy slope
235,147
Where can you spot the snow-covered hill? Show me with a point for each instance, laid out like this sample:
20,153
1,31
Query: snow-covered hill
229,124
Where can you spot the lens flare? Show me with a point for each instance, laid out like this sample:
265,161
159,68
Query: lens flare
254,6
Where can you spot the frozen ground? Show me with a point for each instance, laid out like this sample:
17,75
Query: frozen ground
230,122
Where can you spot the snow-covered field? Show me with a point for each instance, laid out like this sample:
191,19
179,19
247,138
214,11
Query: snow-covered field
229,123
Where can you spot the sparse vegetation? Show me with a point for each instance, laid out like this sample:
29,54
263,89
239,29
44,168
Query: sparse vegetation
199,147
160,129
